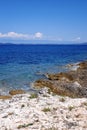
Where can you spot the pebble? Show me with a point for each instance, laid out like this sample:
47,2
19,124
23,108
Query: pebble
43,113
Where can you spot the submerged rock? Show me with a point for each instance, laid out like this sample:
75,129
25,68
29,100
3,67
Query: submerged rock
14,92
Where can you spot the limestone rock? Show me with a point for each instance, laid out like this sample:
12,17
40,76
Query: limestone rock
60,76
47,112
83,65
5,97
14,92
72,83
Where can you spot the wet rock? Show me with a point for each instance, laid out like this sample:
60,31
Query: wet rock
60,76
72,67
69,65
42,83
83,65
14,92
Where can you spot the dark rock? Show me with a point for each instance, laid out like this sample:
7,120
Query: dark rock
71,124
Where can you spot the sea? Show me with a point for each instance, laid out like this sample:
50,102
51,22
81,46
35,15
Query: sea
21,65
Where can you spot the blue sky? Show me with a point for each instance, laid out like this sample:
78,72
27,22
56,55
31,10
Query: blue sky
38,20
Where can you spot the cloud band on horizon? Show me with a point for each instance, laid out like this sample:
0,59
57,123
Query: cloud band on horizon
35,36
13,35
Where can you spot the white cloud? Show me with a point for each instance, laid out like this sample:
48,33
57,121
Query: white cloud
77,39
38,35
22,36
15,35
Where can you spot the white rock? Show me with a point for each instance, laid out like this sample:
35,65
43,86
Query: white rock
21,111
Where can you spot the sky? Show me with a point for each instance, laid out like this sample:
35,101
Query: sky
24,21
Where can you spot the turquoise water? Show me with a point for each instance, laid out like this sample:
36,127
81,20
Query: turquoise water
20,65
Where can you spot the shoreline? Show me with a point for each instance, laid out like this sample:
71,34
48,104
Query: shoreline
71,83
45,110
70,67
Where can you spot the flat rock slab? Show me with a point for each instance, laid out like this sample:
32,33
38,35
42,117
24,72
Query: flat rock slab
14,92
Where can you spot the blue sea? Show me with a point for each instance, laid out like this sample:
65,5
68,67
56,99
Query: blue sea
20,65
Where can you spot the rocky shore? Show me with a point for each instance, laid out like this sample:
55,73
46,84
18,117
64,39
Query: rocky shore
60,104
72,83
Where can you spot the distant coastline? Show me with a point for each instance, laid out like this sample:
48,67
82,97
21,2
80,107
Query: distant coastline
43,43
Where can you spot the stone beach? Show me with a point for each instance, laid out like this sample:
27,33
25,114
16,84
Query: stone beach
43,112
62,108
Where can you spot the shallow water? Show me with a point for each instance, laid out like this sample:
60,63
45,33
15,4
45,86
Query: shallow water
20,65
